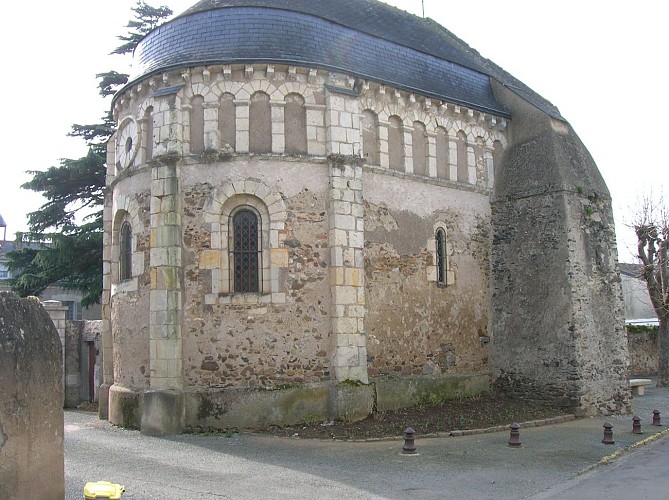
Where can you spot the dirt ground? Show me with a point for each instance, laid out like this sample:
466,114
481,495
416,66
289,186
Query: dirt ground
467,413
460,414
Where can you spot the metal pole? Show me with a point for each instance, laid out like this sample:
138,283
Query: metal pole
423,3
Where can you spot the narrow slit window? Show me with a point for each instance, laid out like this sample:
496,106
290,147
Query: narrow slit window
440,239
125,252
245,251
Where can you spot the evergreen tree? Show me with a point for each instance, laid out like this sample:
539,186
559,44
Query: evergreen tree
69,252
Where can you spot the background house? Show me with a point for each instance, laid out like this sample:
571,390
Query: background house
69,298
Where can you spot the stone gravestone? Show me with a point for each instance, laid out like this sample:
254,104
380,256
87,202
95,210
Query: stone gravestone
31,402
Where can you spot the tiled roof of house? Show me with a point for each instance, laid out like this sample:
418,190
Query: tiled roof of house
633,270
366,38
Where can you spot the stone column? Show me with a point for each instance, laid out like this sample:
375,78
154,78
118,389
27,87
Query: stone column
346,232
163,410
58,314
347,273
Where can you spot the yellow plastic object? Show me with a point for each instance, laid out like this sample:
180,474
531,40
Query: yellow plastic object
103,489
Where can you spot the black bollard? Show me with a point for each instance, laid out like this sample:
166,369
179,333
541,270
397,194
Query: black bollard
636,425
514,437
608,433
656,418
409,447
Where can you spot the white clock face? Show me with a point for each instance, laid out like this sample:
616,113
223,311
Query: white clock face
127,142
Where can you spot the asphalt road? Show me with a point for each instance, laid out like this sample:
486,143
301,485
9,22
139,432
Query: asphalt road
258,467
641,474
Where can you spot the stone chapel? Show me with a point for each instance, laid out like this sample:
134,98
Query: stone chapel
319,209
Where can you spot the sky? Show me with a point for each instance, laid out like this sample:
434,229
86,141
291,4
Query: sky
602,63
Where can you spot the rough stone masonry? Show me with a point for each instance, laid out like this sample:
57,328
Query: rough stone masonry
330,208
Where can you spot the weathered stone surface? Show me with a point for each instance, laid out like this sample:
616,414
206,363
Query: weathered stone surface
163,412
467,238
247,409
31,397
395,393
557,318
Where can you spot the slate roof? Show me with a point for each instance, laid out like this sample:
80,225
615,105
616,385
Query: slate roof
366,38
633,270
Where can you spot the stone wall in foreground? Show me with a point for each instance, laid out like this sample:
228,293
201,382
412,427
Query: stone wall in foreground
31,402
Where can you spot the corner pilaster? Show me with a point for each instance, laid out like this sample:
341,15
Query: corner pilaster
165,415
347,273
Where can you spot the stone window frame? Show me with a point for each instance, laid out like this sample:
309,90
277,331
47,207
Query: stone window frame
126,213
220,204
433,268
232,251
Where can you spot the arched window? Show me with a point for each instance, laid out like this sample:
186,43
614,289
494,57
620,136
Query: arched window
442,263
245,250
419,148
148,134
370,137
227,122
463,164
396,143
125,252
443,167
197,125
260,124
295,125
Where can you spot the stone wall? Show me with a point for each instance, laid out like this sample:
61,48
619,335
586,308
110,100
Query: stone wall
350,284
557,320
321,285
415,326
281,336
31,397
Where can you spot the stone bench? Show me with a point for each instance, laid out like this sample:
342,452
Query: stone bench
638,385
